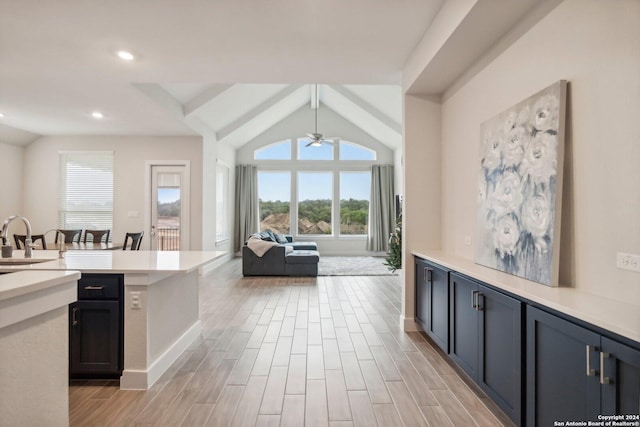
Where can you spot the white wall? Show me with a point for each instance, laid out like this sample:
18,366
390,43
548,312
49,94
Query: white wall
594,45
422,189
11,173
214,152
297,125
130,154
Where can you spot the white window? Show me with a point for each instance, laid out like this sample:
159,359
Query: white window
311,152
352,151
276,151
274,196
315,201
355,192
222,196
86,190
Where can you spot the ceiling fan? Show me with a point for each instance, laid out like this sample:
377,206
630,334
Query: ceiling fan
316,139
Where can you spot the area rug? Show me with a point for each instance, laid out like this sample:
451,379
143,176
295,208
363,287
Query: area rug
353,266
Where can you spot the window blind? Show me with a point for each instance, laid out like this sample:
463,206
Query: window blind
86,190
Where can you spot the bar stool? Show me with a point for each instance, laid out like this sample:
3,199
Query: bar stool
136,239
97,235
69,235
20,240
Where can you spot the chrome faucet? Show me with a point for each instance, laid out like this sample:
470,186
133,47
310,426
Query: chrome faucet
63,247
28,251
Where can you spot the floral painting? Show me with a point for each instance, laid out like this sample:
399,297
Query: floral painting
520,186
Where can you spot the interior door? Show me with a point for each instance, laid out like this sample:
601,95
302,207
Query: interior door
169,207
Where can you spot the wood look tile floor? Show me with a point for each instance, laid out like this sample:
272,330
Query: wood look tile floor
324,351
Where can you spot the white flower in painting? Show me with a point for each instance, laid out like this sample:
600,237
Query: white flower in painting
491,152
482,189
510,122
513,149
507,196
545,113
540,158
506,236
536,217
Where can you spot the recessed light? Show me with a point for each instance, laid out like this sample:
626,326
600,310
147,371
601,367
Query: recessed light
97,115
127,56
1,115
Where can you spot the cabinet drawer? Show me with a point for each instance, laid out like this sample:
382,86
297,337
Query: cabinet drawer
99,286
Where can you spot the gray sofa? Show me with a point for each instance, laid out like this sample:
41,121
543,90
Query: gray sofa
278,261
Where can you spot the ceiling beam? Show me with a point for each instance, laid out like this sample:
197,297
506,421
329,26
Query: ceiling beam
255,112
370,109
204,98
162,97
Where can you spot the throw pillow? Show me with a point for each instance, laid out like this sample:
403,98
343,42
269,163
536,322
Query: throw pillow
281,239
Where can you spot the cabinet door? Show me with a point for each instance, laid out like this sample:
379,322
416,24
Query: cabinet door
500,350
422,290
439,307
94,337
464,324
619,378
562,370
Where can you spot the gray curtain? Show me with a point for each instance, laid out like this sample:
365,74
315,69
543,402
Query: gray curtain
246,218
381,208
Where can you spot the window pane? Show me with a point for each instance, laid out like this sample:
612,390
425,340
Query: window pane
277,151
323,152
351,151
354,202
86,190
274,197
315,191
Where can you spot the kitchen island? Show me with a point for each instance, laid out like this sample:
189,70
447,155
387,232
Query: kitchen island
161,314
34,347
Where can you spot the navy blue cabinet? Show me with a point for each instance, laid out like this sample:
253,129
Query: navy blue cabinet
574,373
432,301
486,341
96,327
537,365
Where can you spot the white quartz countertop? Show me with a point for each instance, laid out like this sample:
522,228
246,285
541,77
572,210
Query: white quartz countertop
113,261
619,317
25,282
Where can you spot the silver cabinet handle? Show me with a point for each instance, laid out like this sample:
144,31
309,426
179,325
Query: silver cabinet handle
474,300
603,379
428,274
93,288
478,306
590,372
74,321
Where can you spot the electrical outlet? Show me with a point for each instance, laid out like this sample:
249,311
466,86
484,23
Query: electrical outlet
628,261
136,303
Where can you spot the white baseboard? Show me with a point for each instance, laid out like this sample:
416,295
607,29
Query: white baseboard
213,265
409,324
143,380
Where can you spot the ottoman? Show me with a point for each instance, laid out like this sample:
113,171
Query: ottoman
302,263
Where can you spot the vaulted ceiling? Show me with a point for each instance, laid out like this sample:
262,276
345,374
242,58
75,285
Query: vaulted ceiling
230,68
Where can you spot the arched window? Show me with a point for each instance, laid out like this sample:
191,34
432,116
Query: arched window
311,152
352,151
277,151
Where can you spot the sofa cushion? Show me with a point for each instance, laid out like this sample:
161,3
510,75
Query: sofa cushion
302,257
268,236
280,238
302,246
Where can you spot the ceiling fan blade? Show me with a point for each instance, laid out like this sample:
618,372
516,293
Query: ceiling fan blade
311,136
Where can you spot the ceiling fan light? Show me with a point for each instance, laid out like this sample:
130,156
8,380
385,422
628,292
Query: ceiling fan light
316,144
